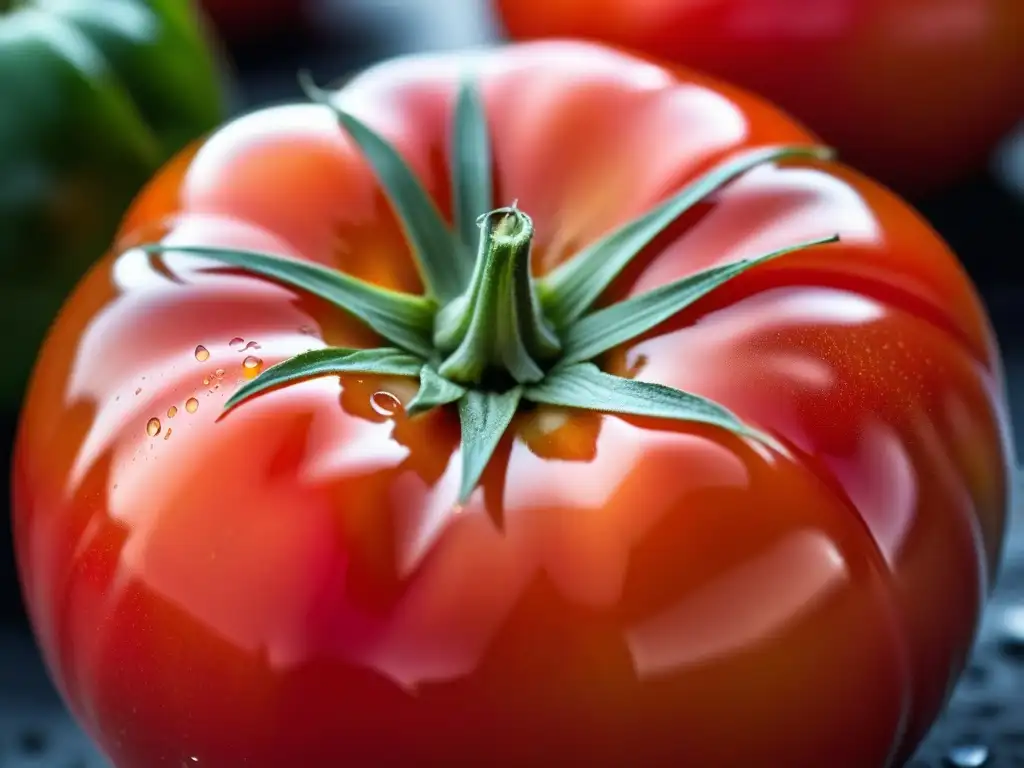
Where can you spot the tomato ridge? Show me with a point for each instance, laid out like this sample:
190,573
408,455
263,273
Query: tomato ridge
486,335
445,261
572,287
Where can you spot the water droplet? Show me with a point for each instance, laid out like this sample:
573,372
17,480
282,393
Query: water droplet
172,412
252,345
206,381
967,756
202,353
251,366
167,434
219,373
1011,643
236,343
153,427
191,405
385,403
138,391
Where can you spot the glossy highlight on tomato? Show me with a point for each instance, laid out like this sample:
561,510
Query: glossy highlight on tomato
297,583
916,93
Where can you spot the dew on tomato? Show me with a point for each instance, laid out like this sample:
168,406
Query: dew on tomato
192,405
202,353
172,412
236,343
251,366
385,403
153,427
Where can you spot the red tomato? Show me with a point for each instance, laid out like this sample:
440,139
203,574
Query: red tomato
295,585
914,92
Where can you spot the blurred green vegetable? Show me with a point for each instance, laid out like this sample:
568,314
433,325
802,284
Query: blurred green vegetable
95,95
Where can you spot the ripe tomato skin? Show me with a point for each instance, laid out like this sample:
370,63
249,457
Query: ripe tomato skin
294,585
916,93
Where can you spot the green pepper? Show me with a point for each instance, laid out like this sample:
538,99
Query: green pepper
95,95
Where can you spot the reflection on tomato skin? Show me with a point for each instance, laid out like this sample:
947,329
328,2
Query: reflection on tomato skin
294,584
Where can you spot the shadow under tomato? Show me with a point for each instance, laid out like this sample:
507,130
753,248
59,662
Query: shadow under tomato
980,221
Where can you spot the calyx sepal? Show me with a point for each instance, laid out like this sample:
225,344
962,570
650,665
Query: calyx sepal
486,335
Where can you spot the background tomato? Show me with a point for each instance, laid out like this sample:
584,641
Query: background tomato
295,585
239,20
914,92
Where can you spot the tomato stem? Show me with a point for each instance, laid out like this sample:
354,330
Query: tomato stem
497,325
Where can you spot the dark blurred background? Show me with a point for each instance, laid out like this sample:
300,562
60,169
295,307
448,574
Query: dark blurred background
982,217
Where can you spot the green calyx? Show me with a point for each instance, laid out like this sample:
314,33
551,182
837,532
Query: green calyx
497,325
487,335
